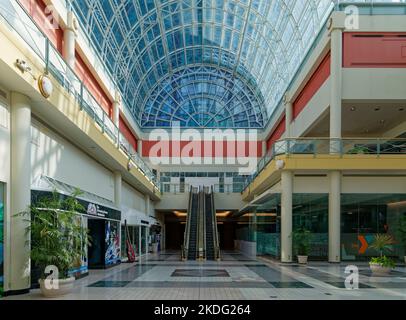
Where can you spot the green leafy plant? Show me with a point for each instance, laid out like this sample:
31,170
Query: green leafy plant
384,262
358,150
382,242
302,241
57,235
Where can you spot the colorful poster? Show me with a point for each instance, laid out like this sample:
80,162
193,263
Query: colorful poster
112,243
80,266
1,239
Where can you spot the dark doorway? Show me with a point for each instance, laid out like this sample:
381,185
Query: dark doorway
175,232
227,235
96,251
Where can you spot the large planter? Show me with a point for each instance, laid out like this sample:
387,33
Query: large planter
379,270
302,259
65,287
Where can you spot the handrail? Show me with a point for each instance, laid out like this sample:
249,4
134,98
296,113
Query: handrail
326,146
185,249
201,229
55,64
217,253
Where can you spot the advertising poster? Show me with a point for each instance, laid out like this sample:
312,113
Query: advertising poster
80,267
112,243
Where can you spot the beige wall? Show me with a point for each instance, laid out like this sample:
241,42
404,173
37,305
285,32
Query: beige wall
55,157
350,184
132,199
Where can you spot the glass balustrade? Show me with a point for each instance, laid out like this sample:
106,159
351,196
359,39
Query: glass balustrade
19,22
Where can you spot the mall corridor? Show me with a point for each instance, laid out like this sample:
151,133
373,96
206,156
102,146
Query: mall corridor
235,277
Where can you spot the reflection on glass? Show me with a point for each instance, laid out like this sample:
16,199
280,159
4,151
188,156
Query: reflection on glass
363,216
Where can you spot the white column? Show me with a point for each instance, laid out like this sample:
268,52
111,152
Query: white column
117,188
334,218
19,264
288,115
139,243
139,147
286,216
336,35
69,40
147,204
116,109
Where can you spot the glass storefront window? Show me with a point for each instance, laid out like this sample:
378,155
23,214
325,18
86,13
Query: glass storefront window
310,212
268,227
365,215
143,240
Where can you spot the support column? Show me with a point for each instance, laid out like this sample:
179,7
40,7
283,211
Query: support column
139,243
286,216
69,40
117,188
147,204
334,218
116,109
336,34
19,264
139,147
288,115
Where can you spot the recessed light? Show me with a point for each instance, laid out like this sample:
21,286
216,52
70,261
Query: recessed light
353,108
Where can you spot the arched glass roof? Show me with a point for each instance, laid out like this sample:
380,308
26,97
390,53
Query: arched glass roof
203,63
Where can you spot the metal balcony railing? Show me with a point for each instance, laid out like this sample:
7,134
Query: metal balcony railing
19,22
319,146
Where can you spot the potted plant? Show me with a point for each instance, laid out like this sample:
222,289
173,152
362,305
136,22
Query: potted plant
358,150
58,239
302,243
382,265
402,234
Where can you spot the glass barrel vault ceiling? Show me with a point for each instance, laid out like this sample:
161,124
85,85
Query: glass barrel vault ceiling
202,63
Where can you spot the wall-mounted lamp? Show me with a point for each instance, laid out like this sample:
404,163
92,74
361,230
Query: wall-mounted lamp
280,164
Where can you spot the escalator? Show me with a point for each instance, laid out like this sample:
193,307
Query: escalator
212,238
189,250
201,235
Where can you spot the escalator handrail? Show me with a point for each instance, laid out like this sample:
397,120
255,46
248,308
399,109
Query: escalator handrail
185,251
215,229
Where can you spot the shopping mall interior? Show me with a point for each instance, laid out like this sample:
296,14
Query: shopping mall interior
203,149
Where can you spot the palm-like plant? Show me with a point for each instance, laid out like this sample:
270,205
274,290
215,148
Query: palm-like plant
57,235
382,242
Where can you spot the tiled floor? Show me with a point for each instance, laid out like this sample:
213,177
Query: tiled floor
165,277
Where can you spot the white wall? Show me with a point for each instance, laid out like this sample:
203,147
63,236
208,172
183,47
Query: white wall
55,157
4,142
131,198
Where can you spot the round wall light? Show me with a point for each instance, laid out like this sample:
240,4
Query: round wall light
45,86
280,164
